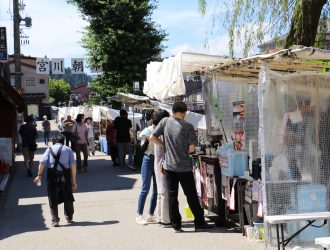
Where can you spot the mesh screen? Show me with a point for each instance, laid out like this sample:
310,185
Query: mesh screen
294,137
226,94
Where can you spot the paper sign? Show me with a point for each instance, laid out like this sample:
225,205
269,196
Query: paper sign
42,66
57,66
77,65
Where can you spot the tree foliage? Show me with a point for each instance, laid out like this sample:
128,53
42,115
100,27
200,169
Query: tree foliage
250,21
122,39
59,91
72,79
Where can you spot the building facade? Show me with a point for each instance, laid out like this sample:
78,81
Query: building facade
80,92
35,86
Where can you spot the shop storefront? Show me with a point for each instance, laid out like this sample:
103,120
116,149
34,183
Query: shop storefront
269,115
11,103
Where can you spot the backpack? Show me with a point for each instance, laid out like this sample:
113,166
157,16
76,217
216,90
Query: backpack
59,175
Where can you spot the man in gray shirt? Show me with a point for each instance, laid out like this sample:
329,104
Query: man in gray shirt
179,141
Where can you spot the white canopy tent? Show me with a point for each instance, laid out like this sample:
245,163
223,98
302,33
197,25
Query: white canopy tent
131,99
165,79
197,120
97,113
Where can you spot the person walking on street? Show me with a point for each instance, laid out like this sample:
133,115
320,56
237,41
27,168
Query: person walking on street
60,126
179,141
46,129
122,139
147,174
61,178
80,129
29,135
162,208
68,124
112,147
90,136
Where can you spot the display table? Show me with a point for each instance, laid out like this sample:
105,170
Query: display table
210,185
280,220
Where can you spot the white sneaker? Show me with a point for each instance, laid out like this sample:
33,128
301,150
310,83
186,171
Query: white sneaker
151,219
139,220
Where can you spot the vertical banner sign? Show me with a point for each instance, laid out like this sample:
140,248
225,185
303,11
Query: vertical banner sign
77,65
3,44
57,66
42,66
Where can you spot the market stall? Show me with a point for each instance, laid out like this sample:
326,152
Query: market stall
273,107
293,120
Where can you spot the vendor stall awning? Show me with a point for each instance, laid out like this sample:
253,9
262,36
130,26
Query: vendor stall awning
197,120
295,59
130,98
165,79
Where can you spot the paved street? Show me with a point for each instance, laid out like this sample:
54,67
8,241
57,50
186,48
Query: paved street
105,210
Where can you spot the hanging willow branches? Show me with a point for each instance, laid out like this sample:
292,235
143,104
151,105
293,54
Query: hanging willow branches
249,22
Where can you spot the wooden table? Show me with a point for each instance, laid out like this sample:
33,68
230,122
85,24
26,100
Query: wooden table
280,220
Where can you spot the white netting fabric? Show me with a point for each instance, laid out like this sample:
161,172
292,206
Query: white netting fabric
295,143
225,94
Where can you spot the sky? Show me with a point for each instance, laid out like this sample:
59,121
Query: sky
57,28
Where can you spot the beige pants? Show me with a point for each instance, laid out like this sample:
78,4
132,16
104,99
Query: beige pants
91,147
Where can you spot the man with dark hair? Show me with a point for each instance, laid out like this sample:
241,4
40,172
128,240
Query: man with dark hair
61,178
179,141
122,139
46,129
29,135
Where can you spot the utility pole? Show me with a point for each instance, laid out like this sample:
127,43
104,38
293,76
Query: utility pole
17,46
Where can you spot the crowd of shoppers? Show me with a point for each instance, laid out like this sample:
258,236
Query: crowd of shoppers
167,145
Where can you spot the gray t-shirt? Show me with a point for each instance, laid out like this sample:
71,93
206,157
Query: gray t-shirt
178,135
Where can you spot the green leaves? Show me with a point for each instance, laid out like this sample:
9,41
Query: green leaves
249,21
122,39
59,91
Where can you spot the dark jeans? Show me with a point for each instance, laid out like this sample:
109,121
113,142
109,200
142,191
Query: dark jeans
68,206
46,137
123,149
187,182
68,140
83,148
114,154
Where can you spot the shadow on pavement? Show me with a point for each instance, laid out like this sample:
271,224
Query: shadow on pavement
19,214
90,223
22,219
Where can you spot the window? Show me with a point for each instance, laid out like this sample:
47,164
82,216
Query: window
42,81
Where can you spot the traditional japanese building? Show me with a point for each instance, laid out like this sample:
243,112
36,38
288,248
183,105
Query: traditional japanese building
35,86
81,92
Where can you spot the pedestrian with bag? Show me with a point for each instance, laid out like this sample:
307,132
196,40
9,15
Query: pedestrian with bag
68,124
61,178
60,126
79,136
90,136
112,147
179,142
46,129
29,134
148,175
122,139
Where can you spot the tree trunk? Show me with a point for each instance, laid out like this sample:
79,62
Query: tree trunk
304,23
